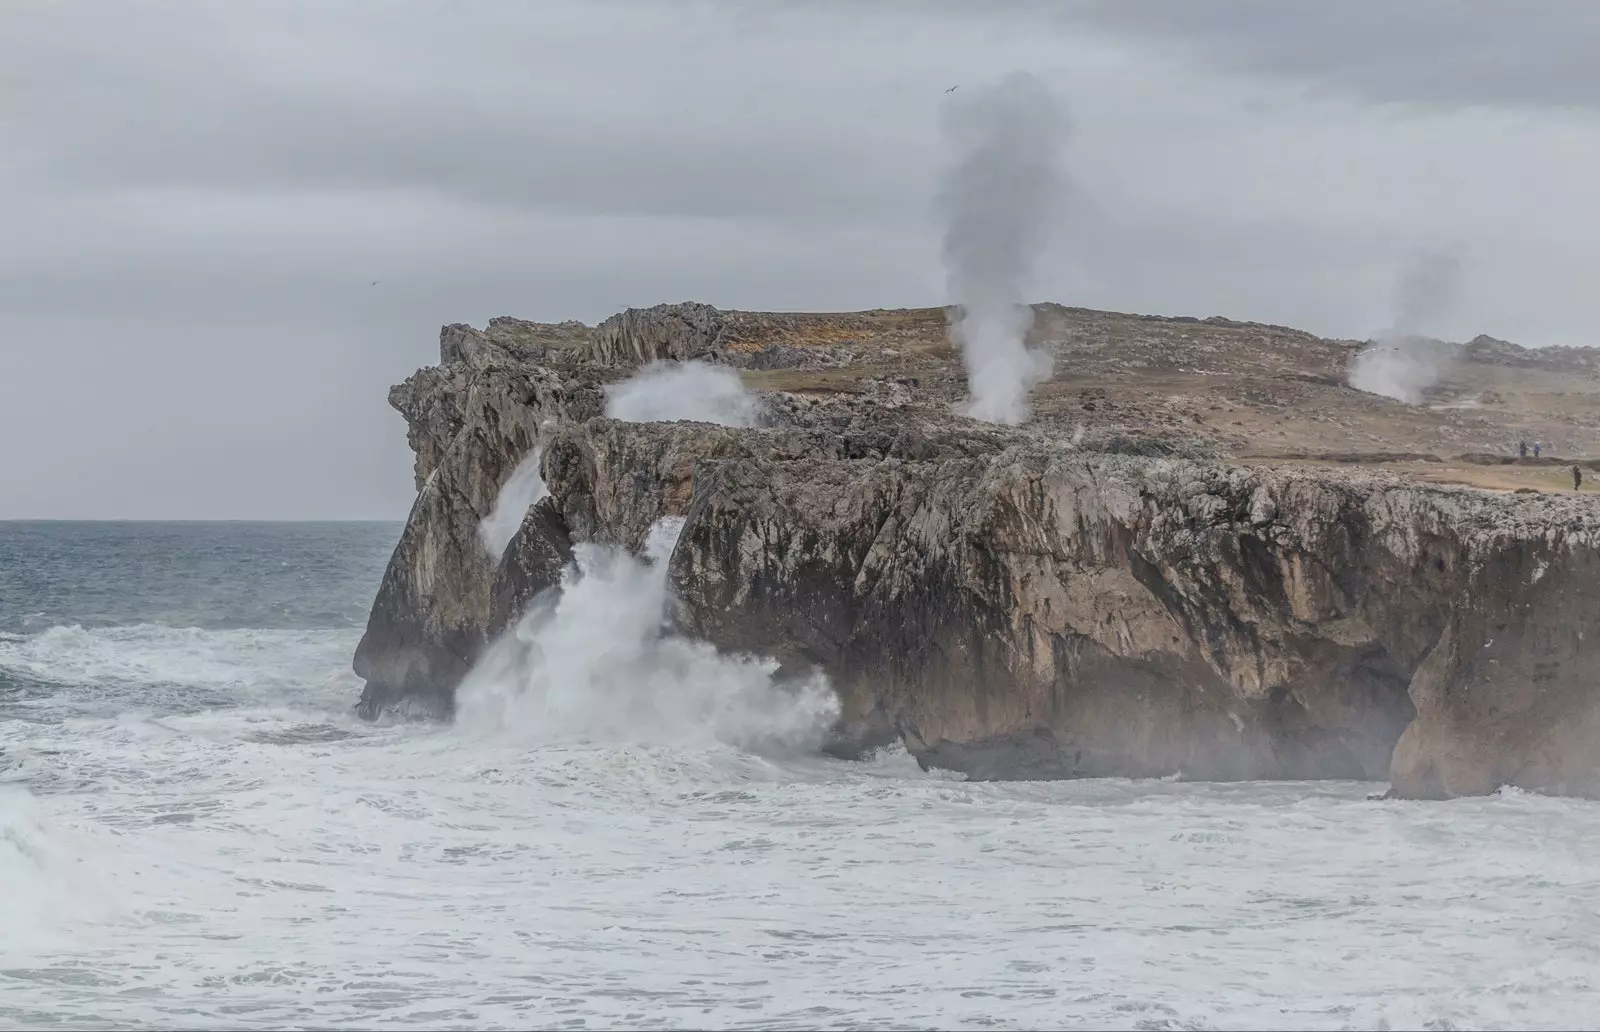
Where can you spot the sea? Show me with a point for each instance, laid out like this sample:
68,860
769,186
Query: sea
625,830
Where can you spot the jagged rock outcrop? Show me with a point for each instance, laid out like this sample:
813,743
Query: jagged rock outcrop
532,562
471,419
681,333
1100,593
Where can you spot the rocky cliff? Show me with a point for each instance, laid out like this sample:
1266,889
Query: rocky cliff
1129,585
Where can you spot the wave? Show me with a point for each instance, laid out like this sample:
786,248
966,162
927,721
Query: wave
597,662
153,660
46,886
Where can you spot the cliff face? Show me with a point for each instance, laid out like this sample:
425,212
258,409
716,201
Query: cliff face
1069,599
470,419
1036,614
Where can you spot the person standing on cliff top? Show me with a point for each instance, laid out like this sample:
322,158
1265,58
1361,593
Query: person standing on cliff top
1536,447
1577,478
1522,449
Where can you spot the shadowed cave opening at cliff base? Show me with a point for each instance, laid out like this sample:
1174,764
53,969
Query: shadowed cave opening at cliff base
1007,604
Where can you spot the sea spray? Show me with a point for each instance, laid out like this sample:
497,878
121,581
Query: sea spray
521,490
1401,363
997,198
666,391
597,662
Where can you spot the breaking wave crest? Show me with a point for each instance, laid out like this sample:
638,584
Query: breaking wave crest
597,662
181,666
47,890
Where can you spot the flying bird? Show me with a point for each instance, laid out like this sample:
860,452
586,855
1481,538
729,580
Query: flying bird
952,89
374,283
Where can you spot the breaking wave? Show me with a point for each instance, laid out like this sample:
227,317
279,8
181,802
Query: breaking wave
196,833
46,889
180,667
598,662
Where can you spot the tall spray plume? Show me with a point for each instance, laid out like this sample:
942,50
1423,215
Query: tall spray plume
998,196
1402,363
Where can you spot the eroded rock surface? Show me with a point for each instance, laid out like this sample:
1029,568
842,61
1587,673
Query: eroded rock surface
1115,589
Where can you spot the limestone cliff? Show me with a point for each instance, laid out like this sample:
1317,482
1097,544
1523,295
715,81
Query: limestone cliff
1116,589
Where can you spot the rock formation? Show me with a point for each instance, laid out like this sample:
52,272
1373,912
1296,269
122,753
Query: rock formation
1129,585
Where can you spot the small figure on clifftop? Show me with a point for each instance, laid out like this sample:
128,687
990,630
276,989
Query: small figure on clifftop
1522,449
1536,447
1577,478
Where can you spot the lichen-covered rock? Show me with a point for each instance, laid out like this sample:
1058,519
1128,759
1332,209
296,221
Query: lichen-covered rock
680,332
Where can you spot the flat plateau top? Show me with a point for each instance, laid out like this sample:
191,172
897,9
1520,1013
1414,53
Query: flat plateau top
1248,391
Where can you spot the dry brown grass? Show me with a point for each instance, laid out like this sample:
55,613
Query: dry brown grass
1251,390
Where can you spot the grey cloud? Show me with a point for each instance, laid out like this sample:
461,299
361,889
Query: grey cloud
462,101
1426,52
196,195
1538,53
1497,53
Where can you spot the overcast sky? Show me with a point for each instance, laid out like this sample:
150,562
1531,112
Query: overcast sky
194,197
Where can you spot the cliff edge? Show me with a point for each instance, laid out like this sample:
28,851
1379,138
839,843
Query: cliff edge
1204,556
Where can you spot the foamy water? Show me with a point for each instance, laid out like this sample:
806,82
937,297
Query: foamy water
170,860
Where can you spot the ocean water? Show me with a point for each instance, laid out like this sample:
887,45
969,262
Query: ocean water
195,833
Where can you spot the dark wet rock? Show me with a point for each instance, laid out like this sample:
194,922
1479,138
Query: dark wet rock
532,563
1101,592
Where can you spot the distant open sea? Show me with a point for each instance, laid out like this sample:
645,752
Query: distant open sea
195,832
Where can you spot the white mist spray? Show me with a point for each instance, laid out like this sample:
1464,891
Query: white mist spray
1401,363
597,662
997,198
662,392
521,490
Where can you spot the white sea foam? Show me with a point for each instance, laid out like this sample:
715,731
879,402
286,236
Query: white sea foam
598,663
580,853
435,877
46,893
242,662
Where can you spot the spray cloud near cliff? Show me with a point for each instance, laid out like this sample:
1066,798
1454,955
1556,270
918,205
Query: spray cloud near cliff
522,488
997,197
663,392
1401,363
597,662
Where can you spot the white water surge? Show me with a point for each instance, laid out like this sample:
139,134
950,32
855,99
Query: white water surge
597,662
195,834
